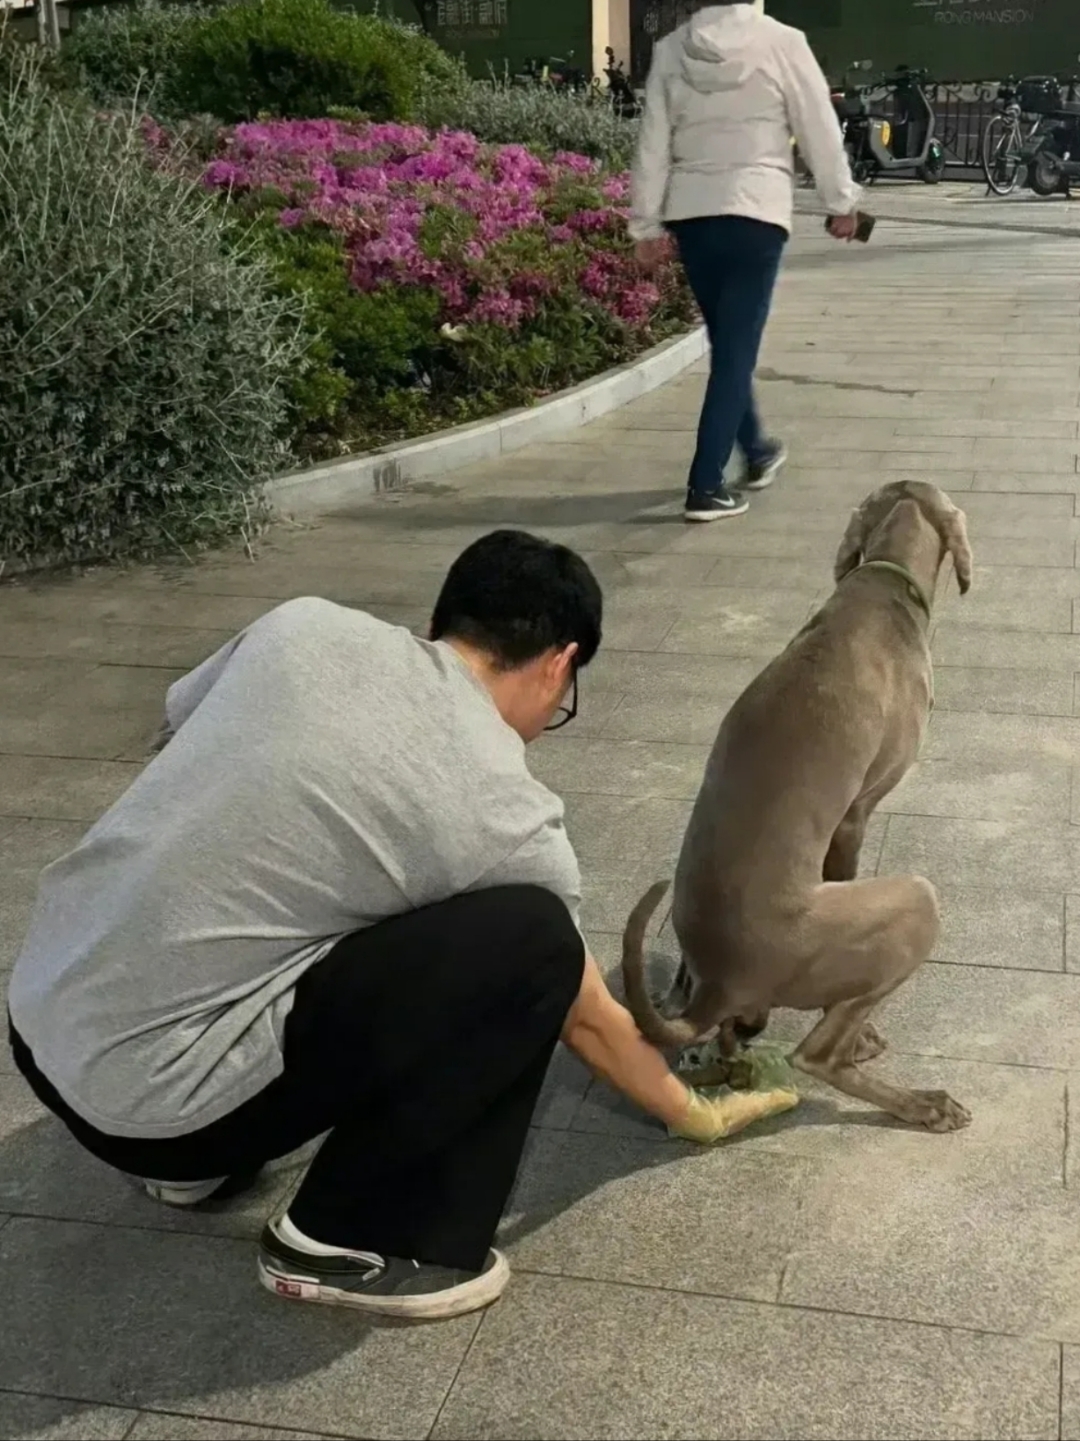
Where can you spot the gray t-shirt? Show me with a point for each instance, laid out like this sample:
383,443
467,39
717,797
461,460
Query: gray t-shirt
327,771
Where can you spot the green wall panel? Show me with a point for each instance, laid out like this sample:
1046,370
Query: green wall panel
954,39
491,34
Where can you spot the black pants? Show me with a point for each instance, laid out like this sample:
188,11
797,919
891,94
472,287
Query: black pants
420,1044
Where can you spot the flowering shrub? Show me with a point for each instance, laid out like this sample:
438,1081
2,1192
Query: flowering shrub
446,278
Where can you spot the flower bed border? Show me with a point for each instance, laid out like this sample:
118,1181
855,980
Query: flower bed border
395,467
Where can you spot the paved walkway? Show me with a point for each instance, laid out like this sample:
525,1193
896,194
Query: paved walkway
828,1275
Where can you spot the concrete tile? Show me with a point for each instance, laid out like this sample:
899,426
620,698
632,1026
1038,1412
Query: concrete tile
1007,607
662,675
564,1086
620,768
43,1418
925,1245
1070,1393
981,853
637,630
62,788
1004,928
620,834
969,645
984,688
984,1013
1003,788
1014,516
564,1359
610,893
45,1173
1000,739
1028,551
1072,933
210,1341
688,720
123,604
808,576
26,847
745,627
107,642
601,1207
155,1426
1049,457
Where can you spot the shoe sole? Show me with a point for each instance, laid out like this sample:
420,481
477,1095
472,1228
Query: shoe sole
456,1301
703,517
181,1195
770,475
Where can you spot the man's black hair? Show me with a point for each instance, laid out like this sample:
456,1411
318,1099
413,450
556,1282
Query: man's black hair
515,596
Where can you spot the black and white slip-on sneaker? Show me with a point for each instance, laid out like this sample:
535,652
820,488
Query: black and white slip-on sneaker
380,1285
761,473
194,1193
717,505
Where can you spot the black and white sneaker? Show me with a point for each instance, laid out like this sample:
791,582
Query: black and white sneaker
761,473
717,505
194,1193
381,1285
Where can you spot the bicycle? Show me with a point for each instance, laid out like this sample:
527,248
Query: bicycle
1006,146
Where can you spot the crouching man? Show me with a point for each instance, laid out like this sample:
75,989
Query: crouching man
337,902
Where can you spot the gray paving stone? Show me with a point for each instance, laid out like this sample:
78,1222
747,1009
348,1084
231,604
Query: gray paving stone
110,643
606,1208
178,1323
621,768
56,789
564,1359
1003,928
963,645
1070,1393
692,721
982,853
1001,739
984,688
1072,933
985,1013
43,1172
132,605
43,1418
1006,607
620,834
26,847
155,1426
1016,789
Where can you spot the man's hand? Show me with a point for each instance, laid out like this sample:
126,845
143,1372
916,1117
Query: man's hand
651,254
710,1119
843,227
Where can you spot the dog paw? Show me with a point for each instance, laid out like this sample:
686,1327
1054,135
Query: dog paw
937,1111
869,1044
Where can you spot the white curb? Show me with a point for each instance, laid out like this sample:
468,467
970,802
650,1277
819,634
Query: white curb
357,477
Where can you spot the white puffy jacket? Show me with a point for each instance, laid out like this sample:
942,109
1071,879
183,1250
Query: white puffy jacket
726,93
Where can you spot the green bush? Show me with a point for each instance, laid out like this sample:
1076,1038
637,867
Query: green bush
293,59
534,115
145,362
120,50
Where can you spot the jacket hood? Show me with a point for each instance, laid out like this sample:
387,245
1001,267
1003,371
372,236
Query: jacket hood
715,44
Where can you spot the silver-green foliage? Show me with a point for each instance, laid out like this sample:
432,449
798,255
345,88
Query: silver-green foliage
537,115
143,361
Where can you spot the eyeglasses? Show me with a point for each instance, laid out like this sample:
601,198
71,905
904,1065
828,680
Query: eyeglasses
566,713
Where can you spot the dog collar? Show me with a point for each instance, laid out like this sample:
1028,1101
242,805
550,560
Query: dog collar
915,590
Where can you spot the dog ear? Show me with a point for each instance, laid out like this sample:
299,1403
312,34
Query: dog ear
851,546
950,522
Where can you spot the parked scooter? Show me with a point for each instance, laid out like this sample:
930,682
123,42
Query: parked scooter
620,92
904,143
1055,162
556,72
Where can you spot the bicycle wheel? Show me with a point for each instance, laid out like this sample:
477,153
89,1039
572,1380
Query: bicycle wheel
1003,155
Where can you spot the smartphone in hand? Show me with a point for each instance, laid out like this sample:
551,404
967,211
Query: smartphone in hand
864,226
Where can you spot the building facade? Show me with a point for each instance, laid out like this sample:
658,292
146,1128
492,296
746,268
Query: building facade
953,39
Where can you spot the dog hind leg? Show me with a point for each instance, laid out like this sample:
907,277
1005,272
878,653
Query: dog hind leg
870,937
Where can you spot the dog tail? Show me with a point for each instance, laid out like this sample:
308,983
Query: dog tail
676,1032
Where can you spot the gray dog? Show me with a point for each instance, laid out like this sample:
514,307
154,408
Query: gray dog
767,909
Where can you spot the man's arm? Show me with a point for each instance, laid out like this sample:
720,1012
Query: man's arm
813,123
602,1033
652,159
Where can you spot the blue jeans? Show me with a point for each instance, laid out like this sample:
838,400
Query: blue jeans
731,263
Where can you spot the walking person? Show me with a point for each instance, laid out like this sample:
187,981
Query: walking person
337,901
727,93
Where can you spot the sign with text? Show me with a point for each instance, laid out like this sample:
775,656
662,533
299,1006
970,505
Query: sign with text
989,13
473,19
